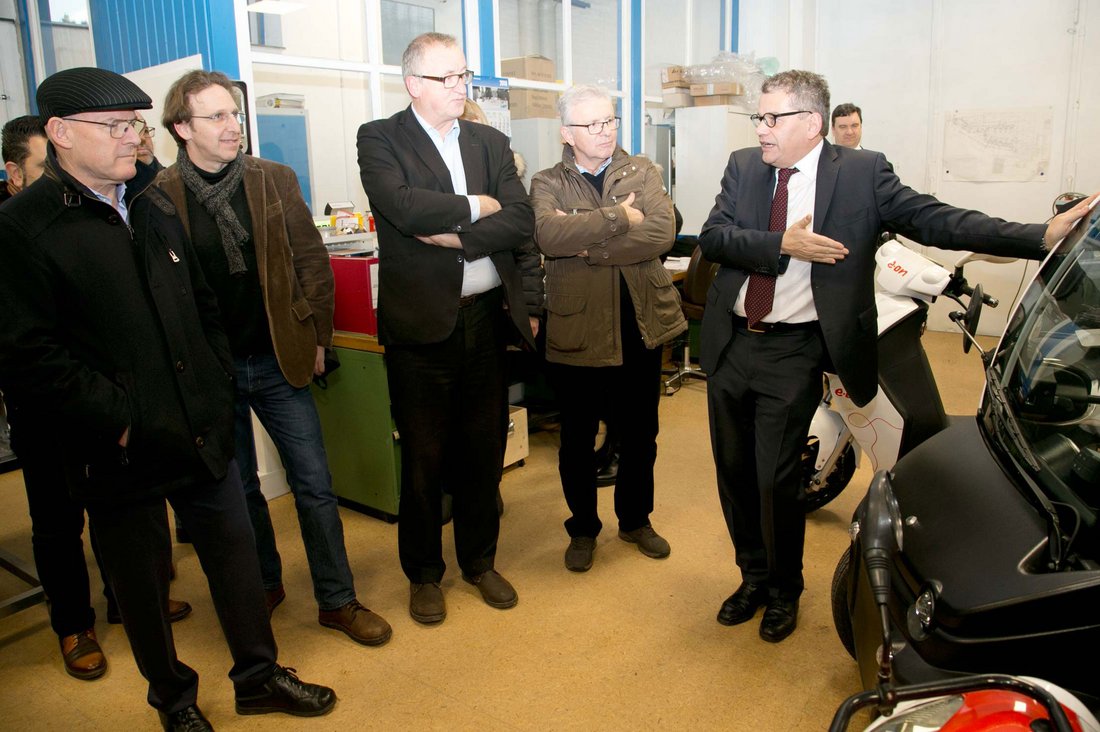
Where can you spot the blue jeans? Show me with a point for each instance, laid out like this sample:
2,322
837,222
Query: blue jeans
290,417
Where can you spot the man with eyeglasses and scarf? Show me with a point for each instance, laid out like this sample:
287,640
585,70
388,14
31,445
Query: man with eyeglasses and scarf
265,261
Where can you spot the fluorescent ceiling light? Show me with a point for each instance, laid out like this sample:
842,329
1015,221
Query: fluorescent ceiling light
274,7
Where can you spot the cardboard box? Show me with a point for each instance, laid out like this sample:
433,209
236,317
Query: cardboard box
356,294
535,68
677,98
729,88
717,99
530,103
517,447
670,74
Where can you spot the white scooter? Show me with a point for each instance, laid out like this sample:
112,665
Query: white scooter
907,409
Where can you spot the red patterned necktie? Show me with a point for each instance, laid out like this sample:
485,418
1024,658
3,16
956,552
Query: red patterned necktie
761,292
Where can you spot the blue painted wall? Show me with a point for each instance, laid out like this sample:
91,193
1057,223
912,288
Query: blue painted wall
134,34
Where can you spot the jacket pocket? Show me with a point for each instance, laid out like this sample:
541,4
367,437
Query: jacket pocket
301,309
665,300
565,326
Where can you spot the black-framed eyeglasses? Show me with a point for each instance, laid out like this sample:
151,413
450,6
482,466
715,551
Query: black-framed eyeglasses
117,127
769,118
450,81
220,118
596,128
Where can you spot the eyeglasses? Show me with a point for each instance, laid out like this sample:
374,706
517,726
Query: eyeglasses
451,80
117,127
148,131
596,128
220,118
770,118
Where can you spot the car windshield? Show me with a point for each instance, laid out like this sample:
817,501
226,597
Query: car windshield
1045,376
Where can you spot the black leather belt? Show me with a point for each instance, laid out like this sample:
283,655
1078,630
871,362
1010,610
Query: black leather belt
465,302
743,324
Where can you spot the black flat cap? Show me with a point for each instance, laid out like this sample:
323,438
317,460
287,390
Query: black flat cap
87,89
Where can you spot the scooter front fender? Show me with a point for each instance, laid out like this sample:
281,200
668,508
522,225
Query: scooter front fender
829,428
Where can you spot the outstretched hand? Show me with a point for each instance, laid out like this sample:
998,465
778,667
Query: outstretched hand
1061,224
800,242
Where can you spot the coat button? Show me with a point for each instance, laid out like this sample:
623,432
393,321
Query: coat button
179,366
612,215
605,255
200,442
113,219
614,227
460,257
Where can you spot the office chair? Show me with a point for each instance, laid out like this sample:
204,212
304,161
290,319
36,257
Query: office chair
693,298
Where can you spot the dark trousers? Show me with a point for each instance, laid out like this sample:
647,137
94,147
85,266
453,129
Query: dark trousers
761,399
57,523
447,401
137,551
629,395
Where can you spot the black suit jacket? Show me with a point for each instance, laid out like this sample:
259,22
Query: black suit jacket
858,195
410,192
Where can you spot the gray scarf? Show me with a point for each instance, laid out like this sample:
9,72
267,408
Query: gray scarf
215,198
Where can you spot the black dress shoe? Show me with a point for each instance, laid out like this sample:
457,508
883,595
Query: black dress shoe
741,606
188,719
608,473
780,620
495,590
284,692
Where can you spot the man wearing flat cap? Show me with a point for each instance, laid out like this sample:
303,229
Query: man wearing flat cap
108,329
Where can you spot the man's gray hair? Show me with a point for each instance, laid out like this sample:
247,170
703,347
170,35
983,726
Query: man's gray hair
414,54
810,92
578,93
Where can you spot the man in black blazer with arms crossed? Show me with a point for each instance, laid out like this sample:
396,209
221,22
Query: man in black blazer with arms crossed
795,228
450,211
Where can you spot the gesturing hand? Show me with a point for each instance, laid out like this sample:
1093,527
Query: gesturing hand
800,242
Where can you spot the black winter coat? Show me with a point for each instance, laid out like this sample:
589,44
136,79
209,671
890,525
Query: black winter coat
106,326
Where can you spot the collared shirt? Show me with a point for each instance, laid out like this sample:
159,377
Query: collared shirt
794,298
120,201
598,170
481,274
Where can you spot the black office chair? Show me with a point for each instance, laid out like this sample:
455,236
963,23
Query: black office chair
693,298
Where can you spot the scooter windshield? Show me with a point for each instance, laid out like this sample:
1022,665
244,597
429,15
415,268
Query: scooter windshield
1046,376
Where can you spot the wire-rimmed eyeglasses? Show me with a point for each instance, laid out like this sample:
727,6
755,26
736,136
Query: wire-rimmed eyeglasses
117,127
596,128
220,118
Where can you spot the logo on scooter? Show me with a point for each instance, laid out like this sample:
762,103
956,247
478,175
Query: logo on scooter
840,392
893,266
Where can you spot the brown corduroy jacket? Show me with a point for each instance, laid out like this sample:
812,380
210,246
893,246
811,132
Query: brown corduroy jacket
294,269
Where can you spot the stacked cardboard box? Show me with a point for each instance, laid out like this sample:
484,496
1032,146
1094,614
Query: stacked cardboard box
674,88
530,103
715,93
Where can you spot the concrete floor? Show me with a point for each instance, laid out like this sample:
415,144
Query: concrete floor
631,644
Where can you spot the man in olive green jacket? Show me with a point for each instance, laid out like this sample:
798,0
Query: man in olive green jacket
602,218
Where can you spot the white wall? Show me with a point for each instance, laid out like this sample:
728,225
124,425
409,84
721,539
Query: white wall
908,64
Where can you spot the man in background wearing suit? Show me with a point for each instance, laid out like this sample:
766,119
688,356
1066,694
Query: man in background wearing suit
450,211
794,228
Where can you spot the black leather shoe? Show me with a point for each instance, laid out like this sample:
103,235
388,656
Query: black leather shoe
284,692
608,473
495,590
188,719
780,620
741,606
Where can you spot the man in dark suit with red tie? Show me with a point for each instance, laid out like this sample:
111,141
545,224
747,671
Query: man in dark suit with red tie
450,211
794,229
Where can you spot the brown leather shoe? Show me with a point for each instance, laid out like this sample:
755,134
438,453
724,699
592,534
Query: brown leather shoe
426,604
495,590
83,657
273,598
360,624
177,610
